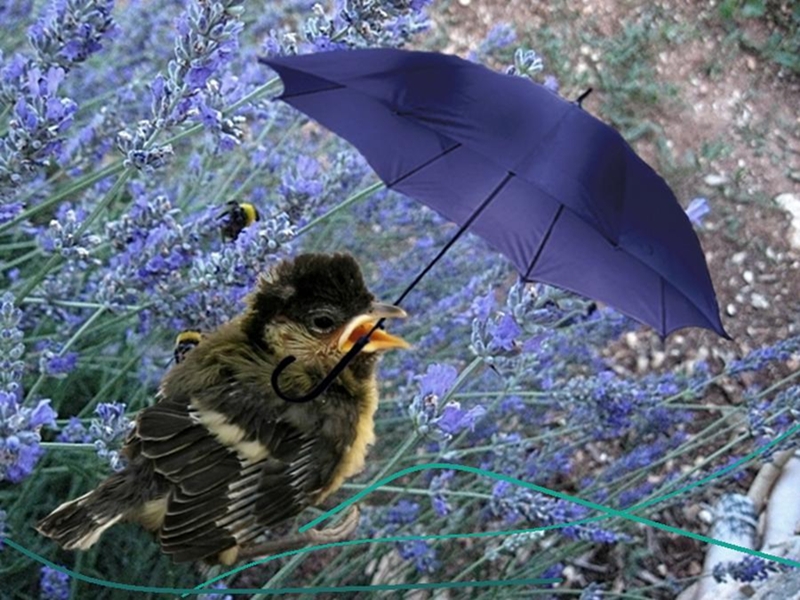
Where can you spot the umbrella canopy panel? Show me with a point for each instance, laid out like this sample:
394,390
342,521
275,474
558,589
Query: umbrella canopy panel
571,203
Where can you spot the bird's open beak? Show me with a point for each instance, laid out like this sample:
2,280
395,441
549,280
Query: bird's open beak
363,323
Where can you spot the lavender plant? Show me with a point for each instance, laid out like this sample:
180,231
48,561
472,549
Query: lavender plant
124,133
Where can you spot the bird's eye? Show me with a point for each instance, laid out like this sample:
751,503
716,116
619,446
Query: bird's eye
323,322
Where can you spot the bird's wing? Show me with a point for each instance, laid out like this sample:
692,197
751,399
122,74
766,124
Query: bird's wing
228,485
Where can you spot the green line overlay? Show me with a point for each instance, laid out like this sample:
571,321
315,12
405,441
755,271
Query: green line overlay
607,512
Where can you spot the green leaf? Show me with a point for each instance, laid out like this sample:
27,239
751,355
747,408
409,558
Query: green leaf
753,8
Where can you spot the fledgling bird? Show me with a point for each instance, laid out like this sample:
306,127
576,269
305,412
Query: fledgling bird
220,457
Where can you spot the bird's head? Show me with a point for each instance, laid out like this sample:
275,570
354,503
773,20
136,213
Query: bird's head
316,307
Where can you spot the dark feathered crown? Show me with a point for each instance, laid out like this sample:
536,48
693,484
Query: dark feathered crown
296,286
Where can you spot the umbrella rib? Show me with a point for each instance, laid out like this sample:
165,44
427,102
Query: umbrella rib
545,237
423,165
335,86
663,331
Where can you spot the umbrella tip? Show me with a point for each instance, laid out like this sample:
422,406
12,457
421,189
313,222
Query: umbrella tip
579,100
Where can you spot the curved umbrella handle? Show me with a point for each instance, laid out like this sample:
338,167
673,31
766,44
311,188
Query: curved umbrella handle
325,383
579,100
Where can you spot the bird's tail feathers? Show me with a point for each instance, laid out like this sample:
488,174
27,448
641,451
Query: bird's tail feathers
79,523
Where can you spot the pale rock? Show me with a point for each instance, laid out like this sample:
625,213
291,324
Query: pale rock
791,204
739,257
715,180
758,300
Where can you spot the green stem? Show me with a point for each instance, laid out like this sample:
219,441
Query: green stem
66,446
8,265
778,384
358,196
80,185
419,491
32,282
111,383
76,304
81,330
17,245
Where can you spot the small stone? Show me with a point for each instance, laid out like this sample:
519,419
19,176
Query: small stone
738,258
748,277
631,339
731,310
791,204
751,63
758,300
715,180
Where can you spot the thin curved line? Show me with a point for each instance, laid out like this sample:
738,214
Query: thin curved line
626,514
609,512
549,492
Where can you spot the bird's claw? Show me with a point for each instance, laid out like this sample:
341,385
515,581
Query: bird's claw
314,536
339,532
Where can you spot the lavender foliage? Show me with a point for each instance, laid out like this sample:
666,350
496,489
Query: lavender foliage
126,131
53,584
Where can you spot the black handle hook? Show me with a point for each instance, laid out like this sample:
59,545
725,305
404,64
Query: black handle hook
325,383
582,97
364,340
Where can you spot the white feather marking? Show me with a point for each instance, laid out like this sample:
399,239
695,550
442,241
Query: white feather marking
88,540
231,435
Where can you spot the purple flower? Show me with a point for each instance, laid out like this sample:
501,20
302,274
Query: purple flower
437,380
440,505
74,432
219,585
56,365
109,430
19,424
70,32
551,83
419,551
10,210
697,209
402,513
454,419
19,436
499,36
749,569
504,334
757,359
53,584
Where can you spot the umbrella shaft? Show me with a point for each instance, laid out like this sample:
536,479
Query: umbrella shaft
452,240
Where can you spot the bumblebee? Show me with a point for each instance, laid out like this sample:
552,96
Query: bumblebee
184,343
236,217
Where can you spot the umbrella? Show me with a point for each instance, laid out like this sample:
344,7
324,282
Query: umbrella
557,191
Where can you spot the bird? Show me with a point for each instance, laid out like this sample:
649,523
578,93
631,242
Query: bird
219,458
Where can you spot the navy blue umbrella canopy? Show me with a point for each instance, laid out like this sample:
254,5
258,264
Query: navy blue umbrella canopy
557,191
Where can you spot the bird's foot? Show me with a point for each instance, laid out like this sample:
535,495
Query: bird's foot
313,536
